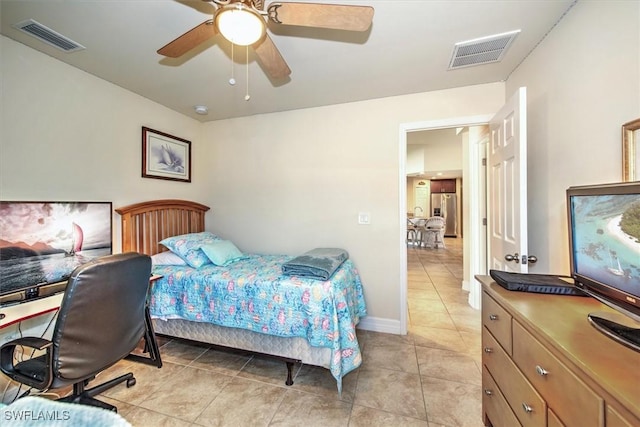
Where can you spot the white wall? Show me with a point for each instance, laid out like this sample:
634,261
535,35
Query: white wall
67,135
583,83
291,181
444,156
415,159
277,183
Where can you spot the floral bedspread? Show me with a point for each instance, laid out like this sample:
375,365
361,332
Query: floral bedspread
253,294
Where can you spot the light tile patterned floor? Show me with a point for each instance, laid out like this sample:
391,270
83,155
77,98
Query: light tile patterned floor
429,378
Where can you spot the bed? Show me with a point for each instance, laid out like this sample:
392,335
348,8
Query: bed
248,305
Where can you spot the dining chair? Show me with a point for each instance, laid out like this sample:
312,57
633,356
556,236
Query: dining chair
433,232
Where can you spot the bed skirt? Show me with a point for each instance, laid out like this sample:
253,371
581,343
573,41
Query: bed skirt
295,348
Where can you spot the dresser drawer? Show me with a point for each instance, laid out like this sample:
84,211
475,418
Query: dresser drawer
570,398
614,419
494,405
553,420
497,320
526,403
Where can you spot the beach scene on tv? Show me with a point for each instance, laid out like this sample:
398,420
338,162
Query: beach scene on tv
606,238
44,242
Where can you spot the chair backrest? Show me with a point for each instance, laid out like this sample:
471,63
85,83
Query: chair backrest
435,222
101,318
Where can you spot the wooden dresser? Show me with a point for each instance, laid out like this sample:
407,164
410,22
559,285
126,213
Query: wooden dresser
543,364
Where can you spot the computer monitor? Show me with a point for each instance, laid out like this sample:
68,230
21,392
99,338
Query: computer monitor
41,243
604,242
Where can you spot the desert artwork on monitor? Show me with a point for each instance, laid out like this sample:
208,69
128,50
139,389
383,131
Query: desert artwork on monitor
43,242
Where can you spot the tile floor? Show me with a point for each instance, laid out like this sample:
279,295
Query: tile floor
430,378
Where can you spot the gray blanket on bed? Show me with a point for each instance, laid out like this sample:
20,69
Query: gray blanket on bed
319,263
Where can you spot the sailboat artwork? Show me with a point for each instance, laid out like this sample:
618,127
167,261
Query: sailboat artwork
613,269
76,242
42,243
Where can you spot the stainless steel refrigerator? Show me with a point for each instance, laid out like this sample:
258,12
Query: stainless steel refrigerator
445,205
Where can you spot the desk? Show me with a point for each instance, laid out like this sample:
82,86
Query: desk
19,312
16,313
150,342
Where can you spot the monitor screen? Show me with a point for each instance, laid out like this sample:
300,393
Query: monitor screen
604,229
41,243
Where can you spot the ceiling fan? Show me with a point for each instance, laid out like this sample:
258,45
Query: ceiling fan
243,22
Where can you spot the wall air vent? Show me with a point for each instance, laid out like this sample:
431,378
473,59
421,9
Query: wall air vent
484,50
48,36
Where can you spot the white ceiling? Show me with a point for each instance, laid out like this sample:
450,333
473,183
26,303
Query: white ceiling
406,50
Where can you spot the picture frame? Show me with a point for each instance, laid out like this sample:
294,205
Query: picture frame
631,151
165,156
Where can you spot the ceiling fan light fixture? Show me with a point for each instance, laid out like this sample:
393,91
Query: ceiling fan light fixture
239,24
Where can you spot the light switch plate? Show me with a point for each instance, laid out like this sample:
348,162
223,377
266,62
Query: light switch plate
364,218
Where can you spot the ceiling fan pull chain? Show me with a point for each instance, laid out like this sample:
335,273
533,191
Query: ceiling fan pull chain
232,80
247,96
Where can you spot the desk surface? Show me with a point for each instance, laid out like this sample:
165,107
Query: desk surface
23,310
19,312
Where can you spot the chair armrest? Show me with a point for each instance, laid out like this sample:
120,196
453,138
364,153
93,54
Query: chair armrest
7,366
33,342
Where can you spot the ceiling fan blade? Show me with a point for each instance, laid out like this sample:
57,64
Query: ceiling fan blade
270,58
189,40
334,16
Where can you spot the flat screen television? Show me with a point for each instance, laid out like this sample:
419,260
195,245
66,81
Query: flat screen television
41,243
604,240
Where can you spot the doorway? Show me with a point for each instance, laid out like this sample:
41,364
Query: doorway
474,194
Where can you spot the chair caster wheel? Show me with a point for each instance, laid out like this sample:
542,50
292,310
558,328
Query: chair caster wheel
131,382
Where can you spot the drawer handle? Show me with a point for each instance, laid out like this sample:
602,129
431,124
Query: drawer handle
541,371
488,350
488,392
528,409
493,317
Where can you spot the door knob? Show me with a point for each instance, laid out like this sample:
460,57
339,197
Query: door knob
515,257
531,259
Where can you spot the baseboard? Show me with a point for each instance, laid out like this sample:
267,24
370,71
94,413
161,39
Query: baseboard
377,324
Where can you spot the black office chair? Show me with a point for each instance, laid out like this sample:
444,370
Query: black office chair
100,321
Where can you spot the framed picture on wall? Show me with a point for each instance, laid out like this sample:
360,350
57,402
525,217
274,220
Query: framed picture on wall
165,156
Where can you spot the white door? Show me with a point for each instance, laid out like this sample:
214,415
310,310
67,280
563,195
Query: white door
507,186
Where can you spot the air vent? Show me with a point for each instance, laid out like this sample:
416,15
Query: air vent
48,36
484,50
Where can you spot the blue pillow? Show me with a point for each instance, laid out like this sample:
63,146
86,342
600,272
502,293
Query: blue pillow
187,247
222,252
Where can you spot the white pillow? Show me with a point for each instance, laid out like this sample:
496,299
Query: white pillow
167,258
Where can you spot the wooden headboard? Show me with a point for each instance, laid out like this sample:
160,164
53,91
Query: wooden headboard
147,223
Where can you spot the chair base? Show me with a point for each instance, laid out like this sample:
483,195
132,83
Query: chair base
90,401
435,241
86,397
